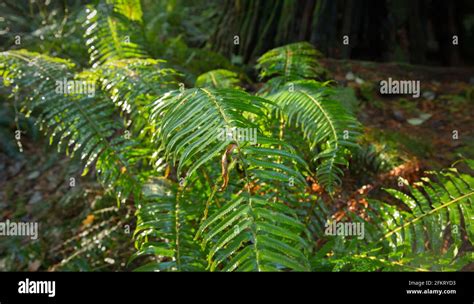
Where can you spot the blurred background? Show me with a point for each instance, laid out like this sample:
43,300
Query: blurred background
412,31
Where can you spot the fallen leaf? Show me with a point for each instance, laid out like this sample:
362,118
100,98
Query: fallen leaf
89,219
225,165
419,120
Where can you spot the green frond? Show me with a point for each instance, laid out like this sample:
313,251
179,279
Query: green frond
192,126
442,202
369,159
219,79
290,62
254,233
323,121
438,227
314,212
114,31
131,9
105,229
294,61
194,134
256,230
211,173
165,230
84,123
133,84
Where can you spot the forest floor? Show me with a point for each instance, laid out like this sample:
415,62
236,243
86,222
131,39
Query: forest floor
424,126
413,134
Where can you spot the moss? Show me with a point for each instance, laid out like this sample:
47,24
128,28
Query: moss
401,145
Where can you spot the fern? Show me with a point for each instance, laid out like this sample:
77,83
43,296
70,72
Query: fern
256,231
105,228
322,120
435,234
254,234
219,79
262,233
89,127
370,159
229,202
113,31
188,124
189,137
291,62
131,9
439,204
82,124
133,84
165,229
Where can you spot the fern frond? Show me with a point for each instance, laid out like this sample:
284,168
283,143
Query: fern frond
192,128
131,9
219,79
256,230
252,233
296,61
440,203
438,228
133,84
85,125
323,120
165,230
106,228
113,31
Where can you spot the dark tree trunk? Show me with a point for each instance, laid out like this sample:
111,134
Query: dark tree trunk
417,31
